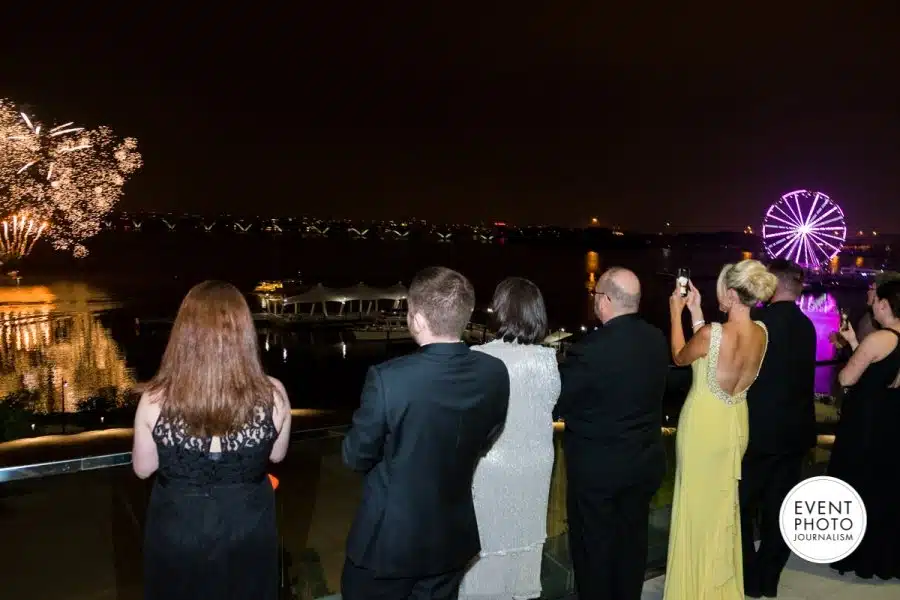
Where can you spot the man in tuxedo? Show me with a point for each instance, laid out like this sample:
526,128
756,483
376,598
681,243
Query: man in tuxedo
782,429
613,383
425,420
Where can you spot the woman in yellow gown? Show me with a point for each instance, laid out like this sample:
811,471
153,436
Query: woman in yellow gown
704,560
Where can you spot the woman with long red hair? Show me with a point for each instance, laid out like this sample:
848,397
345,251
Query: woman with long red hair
209,423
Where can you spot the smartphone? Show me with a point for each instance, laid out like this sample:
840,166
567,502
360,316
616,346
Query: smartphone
684,276
845,320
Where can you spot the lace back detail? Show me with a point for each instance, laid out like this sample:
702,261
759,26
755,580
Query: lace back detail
186,459
255,433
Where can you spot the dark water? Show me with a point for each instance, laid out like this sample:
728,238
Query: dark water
68,330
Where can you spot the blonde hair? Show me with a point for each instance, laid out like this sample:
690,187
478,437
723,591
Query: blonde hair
750,279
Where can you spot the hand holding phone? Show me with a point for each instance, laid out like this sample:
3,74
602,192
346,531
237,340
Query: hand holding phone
684,276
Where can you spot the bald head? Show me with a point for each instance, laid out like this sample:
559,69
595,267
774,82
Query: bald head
623,288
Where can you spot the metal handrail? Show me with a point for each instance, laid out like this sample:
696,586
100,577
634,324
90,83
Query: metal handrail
61,467
106,461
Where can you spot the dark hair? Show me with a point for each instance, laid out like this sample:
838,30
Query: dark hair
519,310
444,297
890,291
789,274
886,277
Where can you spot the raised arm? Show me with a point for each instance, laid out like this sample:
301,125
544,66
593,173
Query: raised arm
686,352
873,348
363,446
696,347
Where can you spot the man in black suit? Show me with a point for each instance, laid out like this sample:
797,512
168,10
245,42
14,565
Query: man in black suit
613,383
425,420
782,429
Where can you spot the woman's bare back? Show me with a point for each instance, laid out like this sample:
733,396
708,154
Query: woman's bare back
741,353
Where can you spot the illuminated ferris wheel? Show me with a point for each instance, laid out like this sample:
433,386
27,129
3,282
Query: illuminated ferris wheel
805,227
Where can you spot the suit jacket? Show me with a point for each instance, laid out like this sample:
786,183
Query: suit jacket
424,422
613,383
782,399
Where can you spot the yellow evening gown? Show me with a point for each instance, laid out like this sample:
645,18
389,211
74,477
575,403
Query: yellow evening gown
704,561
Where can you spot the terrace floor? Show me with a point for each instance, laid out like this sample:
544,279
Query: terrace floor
807,581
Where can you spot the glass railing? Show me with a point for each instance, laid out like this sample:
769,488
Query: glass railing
72,514
78,534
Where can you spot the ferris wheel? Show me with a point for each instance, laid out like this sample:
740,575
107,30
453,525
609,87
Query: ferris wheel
805,227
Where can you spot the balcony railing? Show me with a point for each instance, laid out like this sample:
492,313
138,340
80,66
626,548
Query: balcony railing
73,525
79,534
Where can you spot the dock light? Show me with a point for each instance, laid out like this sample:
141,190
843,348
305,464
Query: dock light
583,328
563,329
284,354
32,426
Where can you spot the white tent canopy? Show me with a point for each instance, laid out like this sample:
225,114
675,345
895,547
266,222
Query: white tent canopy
317,294
396,292
360,292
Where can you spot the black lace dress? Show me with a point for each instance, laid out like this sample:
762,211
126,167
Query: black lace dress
865,456
210,530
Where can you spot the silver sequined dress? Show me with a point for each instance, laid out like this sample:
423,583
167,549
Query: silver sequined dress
512,482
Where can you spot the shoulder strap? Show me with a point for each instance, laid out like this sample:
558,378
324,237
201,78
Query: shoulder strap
715,341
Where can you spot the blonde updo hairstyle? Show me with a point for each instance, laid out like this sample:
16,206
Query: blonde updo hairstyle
750,280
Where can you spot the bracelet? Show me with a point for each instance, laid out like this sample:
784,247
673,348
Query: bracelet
698,324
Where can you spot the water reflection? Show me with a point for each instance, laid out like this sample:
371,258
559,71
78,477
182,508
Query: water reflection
592,267
53,344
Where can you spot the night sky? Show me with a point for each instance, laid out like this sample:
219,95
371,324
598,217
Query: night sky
530,112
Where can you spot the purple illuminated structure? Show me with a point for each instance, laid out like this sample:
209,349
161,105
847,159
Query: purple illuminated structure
805,227
823,311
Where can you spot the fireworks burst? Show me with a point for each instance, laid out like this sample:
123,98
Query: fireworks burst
18,236
66,174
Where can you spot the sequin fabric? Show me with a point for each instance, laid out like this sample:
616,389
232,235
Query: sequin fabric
512,481
715,343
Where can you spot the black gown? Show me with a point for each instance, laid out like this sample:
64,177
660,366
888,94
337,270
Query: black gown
865,456
211,530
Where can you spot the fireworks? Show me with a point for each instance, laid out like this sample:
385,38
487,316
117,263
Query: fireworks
66,174
18,236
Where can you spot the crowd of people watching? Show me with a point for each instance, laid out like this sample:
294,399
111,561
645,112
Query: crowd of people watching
455,444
